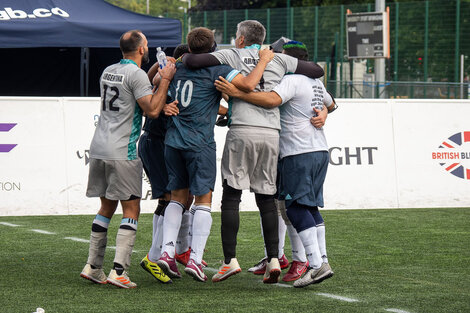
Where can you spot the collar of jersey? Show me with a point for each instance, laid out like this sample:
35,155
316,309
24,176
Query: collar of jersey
253,46
127,61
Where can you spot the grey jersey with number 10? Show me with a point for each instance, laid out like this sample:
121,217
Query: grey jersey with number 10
120,120
245,60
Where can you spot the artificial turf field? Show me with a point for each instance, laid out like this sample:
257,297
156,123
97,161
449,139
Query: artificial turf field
414,260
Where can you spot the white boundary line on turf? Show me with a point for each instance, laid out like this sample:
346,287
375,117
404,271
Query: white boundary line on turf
329,295
88,241
210,269
9,224
396,311
45,232
78,239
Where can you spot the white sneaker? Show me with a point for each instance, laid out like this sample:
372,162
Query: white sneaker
121,281
273,271
314,276
259,268
227,270
95,275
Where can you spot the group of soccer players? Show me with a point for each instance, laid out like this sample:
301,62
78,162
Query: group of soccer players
275,153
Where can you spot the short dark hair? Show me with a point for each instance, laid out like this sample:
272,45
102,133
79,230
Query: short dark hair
296,49
130,41
200,40
180,50
253,31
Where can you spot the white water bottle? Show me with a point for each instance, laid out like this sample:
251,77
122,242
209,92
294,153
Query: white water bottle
161,58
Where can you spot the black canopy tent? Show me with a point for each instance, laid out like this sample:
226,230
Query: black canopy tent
60,47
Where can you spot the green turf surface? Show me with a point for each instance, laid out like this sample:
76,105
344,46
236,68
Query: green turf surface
415,260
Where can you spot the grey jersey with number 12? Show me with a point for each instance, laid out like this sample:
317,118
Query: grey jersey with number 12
120,120
245,60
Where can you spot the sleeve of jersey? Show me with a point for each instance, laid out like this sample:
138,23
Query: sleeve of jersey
231,75
285,89
224,56
289,63
140,84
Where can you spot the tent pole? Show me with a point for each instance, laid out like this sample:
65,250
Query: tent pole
82,72
87,70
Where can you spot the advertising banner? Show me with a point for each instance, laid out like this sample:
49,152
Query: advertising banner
32,157
383,154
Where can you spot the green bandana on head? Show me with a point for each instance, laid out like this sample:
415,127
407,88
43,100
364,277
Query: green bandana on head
294,44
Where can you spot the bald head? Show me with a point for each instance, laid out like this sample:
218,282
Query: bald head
131,41
133,46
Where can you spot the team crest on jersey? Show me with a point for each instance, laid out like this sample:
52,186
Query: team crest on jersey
454,155
113,78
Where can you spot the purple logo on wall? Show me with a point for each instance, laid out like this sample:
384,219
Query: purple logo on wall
6,127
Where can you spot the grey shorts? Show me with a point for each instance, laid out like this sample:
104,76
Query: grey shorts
115,179
250,157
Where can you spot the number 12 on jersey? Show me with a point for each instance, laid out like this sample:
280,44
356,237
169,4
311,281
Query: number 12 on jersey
111,102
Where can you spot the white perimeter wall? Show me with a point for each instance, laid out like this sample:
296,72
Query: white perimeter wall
381,156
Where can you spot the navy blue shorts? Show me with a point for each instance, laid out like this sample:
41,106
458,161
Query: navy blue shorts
152,154
301,178
194,170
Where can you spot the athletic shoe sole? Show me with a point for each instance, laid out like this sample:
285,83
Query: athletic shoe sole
227,275
273,277
92,279
318,280
195,274
147,270
117,284
166,268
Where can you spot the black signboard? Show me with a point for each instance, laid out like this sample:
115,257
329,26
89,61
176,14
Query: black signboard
368,35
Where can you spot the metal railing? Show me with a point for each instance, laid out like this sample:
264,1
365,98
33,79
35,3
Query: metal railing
398,90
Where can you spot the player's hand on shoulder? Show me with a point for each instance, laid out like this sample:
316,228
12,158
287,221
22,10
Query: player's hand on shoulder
266,55
171,109
171,59
168,71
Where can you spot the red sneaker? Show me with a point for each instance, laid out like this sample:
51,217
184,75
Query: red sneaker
296,270
183,258
284,262
195,270
168,265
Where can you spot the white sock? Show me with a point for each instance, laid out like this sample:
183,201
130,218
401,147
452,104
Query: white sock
322,241
192,210
201,229
155,224
282,236
182,241
155,251
171,227
310,242
298,251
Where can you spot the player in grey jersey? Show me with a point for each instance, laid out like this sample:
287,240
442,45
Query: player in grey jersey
251,148
115,170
